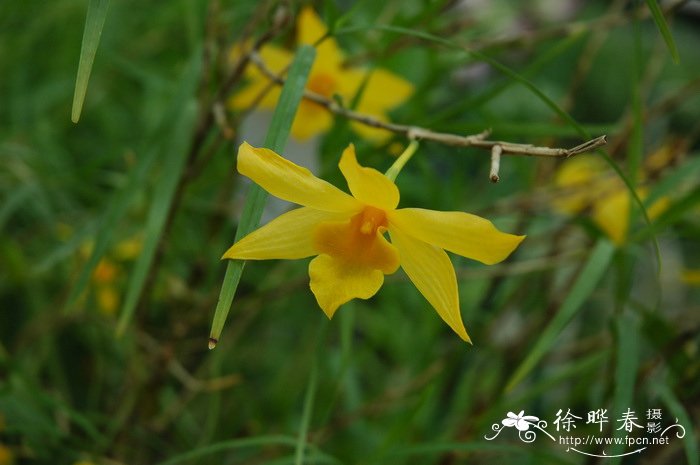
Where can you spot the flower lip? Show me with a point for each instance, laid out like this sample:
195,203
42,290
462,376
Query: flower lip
358,241
372,219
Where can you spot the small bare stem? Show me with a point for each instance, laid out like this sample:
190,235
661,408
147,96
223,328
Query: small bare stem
495,163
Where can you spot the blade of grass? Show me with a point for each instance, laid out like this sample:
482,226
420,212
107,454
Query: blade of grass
550,383
676,408
115,211
276,139
676,212
627,361
669,184
94,22
459,107
636,144
306,413
174,161
536,455
660,21
592,272
481,57
259,441
118,206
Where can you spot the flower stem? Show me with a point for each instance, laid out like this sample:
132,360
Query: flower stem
398,165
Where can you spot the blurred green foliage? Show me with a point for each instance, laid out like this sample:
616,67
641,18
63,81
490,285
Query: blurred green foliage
385,381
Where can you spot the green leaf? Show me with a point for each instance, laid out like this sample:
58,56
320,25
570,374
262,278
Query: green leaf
245,443
680,413
501,450
137,178
626,363
661,23
174,160
276,139
669,185
306,413
96,14
586,282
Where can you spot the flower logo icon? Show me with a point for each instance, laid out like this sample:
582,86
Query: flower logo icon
520,421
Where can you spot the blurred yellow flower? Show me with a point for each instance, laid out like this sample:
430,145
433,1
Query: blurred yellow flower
105,271
128,249
691,277
6,455
587,182
104,278
108,275
328,77
346,233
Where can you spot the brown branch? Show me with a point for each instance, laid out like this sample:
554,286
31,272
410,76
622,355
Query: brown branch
418,133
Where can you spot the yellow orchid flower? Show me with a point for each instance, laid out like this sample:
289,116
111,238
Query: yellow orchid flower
691,277
588,183
328,76
346,233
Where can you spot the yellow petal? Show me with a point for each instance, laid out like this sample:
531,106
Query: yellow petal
691,277
377,136
612,215
289,236
335,282
462,233
576,179
367,184
256,93
612,212
291,182
430,270
358,241
310,120
277,59
384,90
310,29
658,207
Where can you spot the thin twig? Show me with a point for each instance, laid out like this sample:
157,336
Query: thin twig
495,163
416,133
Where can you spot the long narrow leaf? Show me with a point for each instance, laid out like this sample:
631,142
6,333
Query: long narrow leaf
306,415
626,363
94,22
680,413
586,282
276,139
660,21
245,443
176,152
122,199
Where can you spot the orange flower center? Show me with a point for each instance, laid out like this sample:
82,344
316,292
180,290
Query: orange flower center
322,83
359,241
370,220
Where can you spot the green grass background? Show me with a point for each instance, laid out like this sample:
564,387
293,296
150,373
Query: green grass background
567,322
